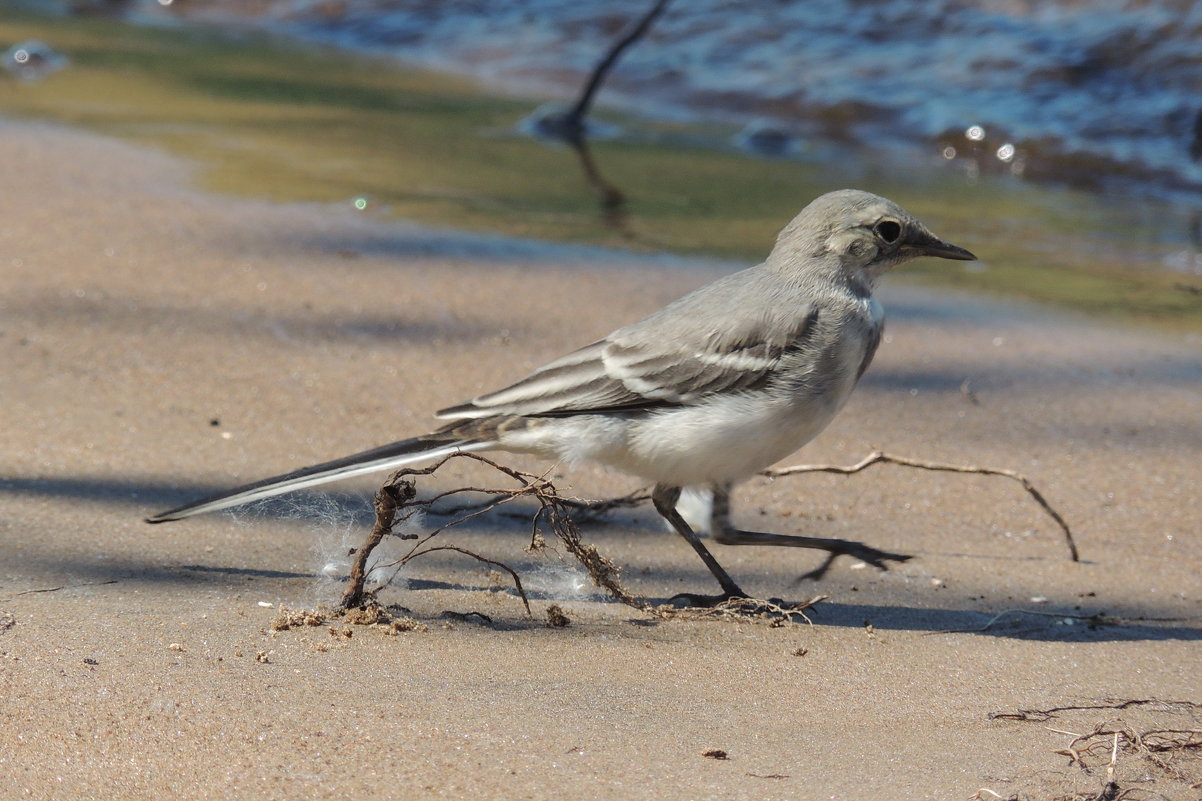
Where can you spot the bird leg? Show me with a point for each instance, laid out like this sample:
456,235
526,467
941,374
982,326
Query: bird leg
722,531
665,497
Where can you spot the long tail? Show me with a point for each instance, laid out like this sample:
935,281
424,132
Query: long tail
397,454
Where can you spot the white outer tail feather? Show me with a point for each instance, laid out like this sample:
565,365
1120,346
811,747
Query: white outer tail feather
269,488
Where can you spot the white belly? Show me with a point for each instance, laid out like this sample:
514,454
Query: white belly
722,439
725,440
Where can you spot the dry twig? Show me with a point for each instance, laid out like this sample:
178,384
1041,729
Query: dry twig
880,457
978,797
775,612
1040,715
1097,619
593,509
571,124
1162,748
61,587
1111,787
396,502
389,497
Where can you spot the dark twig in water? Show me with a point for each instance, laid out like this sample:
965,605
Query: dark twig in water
613,202
573,120
879,457
568,126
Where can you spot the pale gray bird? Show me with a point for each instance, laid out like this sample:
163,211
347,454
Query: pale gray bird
703,393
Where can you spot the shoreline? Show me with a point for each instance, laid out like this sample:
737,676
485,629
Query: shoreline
279,124
833,105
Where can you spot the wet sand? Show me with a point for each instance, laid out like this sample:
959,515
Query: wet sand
160,343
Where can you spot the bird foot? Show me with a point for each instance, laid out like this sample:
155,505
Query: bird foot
686,600
865,553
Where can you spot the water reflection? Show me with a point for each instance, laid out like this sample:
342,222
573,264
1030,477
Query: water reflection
613,202
570,125
554,122
1110,85
718,63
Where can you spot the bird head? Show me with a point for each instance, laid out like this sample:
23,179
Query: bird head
859,236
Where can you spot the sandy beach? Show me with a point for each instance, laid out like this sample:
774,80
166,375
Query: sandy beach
160,343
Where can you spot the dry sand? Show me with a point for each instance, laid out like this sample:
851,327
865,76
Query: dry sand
159,342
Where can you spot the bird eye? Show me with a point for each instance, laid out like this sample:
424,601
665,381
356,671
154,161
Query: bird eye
888,230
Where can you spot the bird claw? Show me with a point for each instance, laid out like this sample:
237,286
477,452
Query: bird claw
865,553
685,600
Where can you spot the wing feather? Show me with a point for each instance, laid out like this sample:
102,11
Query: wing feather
633,369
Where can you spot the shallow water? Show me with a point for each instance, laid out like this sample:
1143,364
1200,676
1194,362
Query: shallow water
1099,93
1125,241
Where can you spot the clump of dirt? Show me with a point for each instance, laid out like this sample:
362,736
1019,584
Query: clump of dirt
399,624
297,618
556,617
371,615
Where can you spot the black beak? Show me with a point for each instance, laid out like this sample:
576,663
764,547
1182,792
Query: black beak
924,243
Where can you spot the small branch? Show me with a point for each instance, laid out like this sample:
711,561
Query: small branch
879,457
574,118
517,581
597,508
1161,749
601,570
62,587
389,497
776,612
396,502
1110,788
978,797
1096,619
1040,715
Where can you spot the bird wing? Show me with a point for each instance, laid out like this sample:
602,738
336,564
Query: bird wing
650,365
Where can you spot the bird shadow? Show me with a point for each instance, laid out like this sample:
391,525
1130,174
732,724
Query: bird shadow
1044,624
